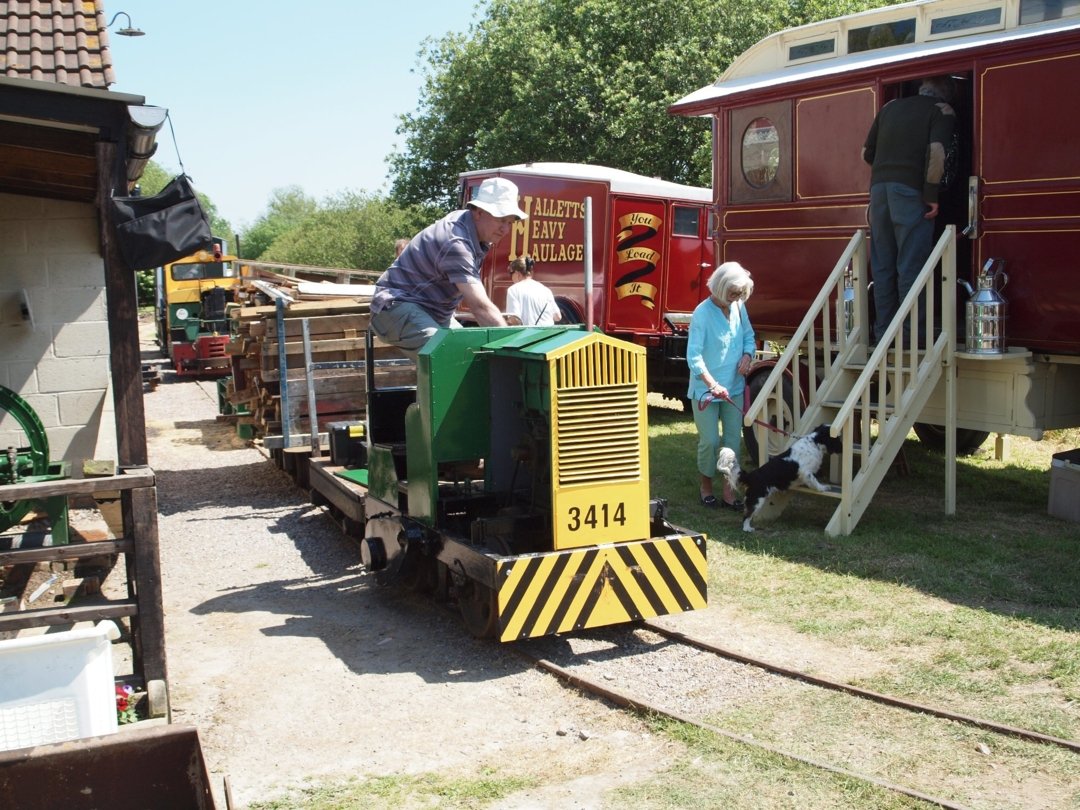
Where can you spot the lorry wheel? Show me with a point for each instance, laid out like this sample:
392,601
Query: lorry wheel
570,313
967,441
781,416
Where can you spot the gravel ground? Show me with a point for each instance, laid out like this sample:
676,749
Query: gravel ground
294,666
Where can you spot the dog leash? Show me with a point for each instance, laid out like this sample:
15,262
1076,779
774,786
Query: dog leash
705,399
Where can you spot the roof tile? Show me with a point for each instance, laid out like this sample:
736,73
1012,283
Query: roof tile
59,41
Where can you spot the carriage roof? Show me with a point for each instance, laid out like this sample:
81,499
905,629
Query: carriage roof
875,39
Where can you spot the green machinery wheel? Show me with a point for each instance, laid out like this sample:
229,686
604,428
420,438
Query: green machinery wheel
17,464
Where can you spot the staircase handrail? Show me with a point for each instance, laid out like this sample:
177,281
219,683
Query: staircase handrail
790,355
892,333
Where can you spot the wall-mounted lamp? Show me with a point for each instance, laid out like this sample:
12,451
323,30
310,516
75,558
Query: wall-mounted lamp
128,30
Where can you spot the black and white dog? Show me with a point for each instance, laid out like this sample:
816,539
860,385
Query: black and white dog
798,464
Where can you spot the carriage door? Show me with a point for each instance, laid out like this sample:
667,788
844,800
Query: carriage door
1027,197
953,194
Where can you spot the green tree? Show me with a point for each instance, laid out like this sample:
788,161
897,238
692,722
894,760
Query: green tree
579,80
353,231
288,208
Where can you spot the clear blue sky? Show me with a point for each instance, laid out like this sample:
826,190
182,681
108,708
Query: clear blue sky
271,93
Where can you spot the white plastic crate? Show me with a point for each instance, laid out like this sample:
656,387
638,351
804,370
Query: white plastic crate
57,686
1064,500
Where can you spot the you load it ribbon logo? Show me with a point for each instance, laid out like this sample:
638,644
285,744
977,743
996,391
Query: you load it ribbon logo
633,230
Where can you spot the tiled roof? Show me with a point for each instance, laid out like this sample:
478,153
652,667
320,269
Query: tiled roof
59,41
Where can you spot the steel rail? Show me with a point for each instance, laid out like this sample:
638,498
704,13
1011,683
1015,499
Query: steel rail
645,707
889,700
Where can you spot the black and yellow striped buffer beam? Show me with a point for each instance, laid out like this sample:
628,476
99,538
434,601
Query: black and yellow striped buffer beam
562,591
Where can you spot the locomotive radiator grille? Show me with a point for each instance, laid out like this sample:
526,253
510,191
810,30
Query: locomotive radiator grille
597,423
599,364
593,587
598,434
599,444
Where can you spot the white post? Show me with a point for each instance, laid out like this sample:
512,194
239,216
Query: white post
588,265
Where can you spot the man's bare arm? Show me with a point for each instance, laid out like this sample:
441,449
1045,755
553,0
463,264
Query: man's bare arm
486,313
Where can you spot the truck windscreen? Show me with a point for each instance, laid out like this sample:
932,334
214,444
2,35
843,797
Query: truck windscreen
194,271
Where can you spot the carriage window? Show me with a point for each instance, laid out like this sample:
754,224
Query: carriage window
687,221
812,50
971,22
882,35
760,152
1033,11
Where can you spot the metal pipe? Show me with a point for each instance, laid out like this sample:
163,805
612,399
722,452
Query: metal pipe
283,370
313,409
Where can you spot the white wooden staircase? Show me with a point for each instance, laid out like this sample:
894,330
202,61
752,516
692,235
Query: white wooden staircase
870,395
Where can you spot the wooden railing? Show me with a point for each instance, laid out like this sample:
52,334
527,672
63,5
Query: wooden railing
833,332
142,605
893,388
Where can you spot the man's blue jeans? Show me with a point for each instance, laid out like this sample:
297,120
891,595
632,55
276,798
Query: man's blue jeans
900,242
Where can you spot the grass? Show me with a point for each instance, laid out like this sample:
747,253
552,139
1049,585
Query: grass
401,791
721,773
978,612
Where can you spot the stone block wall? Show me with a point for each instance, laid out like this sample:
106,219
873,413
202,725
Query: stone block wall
54,330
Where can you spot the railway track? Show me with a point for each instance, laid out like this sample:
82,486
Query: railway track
665,687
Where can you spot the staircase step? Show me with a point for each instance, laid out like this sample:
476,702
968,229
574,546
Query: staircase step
890,367
833,490
836,404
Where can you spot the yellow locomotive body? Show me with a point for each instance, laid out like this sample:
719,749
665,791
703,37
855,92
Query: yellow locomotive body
519,485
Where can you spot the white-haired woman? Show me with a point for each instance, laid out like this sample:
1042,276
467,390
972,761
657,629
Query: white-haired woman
719,352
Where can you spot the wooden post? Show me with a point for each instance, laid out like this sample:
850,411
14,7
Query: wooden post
148,625
123,312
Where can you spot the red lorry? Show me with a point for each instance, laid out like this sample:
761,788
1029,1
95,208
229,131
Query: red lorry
652,252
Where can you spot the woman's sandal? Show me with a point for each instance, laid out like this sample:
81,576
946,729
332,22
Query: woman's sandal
735,506
710,501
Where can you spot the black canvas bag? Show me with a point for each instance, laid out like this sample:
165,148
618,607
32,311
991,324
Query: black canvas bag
152,231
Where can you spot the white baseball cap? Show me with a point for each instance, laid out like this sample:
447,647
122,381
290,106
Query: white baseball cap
499,197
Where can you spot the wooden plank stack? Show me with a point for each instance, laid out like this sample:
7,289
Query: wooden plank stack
337,329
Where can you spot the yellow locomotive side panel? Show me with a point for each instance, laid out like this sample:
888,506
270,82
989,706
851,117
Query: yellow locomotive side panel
562,591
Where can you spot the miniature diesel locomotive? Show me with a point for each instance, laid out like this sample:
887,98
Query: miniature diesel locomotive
191,298
514,479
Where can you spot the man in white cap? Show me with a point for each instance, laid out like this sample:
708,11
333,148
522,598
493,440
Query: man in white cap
419,293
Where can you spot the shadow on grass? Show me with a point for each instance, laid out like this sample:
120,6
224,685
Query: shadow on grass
1000,552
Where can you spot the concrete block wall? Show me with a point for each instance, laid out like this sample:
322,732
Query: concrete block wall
54,330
